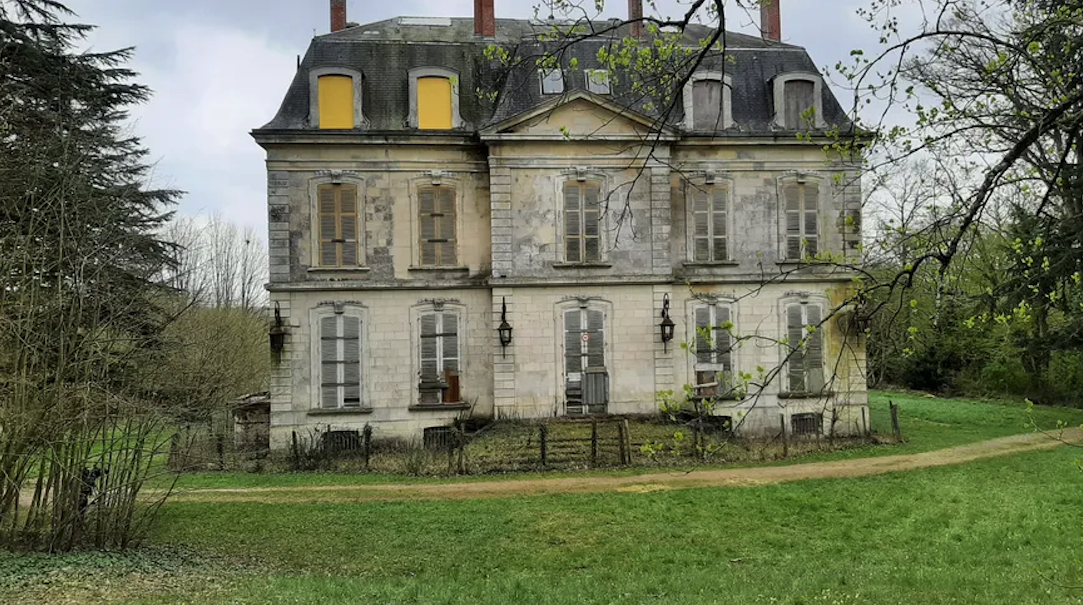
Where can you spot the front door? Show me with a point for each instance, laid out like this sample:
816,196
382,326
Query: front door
586,380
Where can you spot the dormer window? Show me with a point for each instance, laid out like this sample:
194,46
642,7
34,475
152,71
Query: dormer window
335,99
434,99
707,101
798,102
552,81
597,81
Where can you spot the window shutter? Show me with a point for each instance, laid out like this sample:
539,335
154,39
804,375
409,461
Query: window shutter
348,218
719,213
427,207
795,332
591,224
812,231
434,111
793,222
596,344
448,256
351,361
703,332
335,101
701,226
429,348
814,355
723,339
573,230
329,355
798,99
451,342
573,348
328,224
707,105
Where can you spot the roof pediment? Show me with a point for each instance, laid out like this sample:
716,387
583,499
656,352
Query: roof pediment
579,116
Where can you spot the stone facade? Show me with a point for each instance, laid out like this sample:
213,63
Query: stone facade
508,178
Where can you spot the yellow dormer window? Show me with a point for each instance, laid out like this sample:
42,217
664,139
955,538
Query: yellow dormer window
434,110
336,102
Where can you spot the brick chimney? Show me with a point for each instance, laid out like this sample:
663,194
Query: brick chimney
338,15
635,13
771,20
484,18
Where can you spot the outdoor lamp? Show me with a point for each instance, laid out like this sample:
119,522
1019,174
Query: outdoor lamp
667,326
278,332
505,328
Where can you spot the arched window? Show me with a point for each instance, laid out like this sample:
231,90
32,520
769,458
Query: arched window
714,356
800,219
804,349
799,101
707,101
338,359
434,99
335,99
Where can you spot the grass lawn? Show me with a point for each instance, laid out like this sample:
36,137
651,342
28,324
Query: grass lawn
1004,530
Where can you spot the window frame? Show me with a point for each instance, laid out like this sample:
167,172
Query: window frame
543,77
692,187
316,317
595,86
415,74
688,98
803,183
716,365
821,326
584,306
315,237
314,75
416,186
582,182
420,385
779,96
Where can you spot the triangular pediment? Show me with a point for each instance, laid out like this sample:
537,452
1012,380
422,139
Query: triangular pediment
578,116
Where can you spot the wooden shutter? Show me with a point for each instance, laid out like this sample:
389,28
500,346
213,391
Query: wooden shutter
814,351
795,333
592,218
573,354
701,226
329,355
449,349
707,105
793,222
426,208
446,252
351,361
430,348
798,98
328,225
719,224
338,229
723,340
596,342
336,102
573,225
703,335
434,111
811,208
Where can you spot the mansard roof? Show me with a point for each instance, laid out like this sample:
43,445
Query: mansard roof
384,52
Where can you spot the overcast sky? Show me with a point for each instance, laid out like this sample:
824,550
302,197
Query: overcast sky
219,68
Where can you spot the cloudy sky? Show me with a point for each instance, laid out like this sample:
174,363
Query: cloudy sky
219,68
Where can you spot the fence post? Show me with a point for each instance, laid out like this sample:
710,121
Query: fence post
864,424
895,426
621,439
627,442
367,443
594,443
461,433
543,443
296,454
785,439
220,446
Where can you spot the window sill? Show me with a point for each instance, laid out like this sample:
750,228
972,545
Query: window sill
341,412
439,407
720,263
822,395
439,269
582,266
337,270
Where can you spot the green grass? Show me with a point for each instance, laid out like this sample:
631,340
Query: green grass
927,423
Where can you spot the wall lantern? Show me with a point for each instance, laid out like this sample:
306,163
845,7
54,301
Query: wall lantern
505,328
667,324
278,332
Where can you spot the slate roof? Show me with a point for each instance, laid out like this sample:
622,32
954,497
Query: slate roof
386,50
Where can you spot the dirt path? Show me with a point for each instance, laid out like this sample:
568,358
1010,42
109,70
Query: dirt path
638,483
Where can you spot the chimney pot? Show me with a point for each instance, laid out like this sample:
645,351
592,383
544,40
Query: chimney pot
771,20
338,15
484,18
635,16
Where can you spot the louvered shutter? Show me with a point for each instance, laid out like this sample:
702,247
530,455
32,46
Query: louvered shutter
328,225
573,229
814,354
351,361
348,225
573,354
812,231
448,256
427,207
719,224
795,333
703,332
450,344
596,334
591,224
430,348
723,340
793,222
701,226
329,367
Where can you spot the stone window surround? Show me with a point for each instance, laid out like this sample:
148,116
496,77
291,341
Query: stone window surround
779,89
424,308
803,298
324,309
727,97
584,175
440,179
780,211
706,179
314,75
336,178
435,72
593,303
